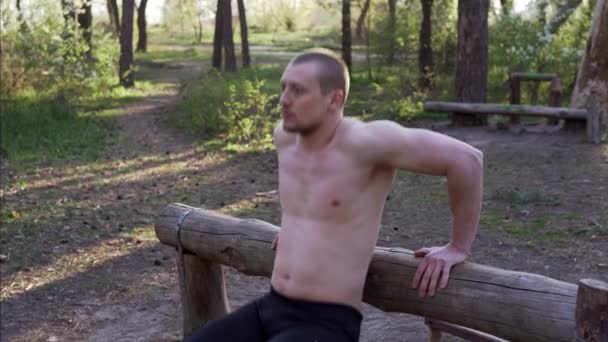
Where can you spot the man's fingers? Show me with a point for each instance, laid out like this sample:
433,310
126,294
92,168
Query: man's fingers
424,283
445,276
434,279
419,273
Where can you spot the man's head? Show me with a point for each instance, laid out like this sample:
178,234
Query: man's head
314,87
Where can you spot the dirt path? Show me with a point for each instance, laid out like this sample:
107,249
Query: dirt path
92,270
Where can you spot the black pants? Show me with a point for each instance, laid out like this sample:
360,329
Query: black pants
277,318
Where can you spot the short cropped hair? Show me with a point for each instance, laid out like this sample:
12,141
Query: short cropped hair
333,72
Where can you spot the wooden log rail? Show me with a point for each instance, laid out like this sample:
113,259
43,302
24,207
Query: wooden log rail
509,109
511,305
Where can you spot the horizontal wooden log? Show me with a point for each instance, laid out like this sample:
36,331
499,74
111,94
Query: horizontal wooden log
534,76
512,305
506,109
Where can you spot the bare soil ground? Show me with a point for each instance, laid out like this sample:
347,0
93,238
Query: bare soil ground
82,262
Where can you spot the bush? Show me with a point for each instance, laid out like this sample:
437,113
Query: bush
235,107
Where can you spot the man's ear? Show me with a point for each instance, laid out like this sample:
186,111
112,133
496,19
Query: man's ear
337,99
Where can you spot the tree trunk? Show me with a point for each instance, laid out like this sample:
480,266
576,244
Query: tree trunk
425,52
125,72
20,19
392,22
142,41
346,37
114,17
227,41
216,58
244,34
505,7
563,13
472,58
361,20
85,22
591,90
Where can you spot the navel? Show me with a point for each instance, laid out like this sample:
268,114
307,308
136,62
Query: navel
335,203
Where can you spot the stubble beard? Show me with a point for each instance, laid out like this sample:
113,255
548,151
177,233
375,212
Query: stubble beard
303,130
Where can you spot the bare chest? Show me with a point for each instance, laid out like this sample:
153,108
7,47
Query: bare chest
325,185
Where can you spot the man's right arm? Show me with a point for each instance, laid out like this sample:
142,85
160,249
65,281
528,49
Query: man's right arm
427,152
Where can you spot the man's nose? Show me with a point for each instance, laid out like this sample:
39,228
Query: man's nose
284,99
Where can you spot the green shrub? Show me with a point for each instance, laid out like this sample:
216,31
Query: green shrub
236,107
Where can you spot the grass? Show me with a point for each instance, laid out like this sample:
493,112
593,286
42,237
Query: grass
159,53
38,129
539,229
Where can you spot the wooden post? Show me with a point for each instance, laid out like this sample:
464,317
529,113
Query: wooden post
555,96
594,135
592,311
515,96
203,292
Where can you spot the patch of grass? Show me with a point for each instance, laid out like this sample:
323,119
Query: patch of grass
35,129
544,228
170,53
519,196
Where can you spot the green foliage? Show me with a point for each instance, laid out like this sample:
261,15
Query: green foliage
518,43
50,58
237,107
34,129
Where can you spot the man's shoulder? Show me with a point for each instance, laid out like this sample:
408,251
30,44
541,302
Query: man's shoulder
359,134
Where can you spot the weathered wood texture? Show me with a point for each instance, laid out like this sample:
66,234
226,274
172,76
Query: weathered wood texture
483,108
201,282
511,305
591,89
592,311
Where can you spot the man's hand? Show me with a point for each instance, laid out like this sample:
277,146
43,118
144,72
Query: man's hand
275,242
437,262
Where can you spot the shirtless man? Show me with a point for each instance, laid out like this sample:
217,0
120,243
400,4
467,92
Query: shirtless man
334,176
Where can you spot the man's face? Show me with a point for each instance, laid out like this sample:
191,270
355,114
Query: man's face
303,107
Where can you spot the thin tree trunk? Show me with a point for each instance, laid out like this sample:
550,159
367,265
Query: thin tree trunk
142,41
125,72
505,7
472,57
114,16
216,58
361,20
20,19
368,59
591,90
563,13
425,52
227,41
392,22
346,38
244,34
85,22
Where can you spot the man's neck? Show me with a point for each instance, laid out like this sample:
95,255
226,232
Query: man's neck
322,137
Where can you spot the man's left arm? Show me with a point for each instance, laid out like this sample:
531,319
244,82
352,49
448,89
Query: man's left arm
427,152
